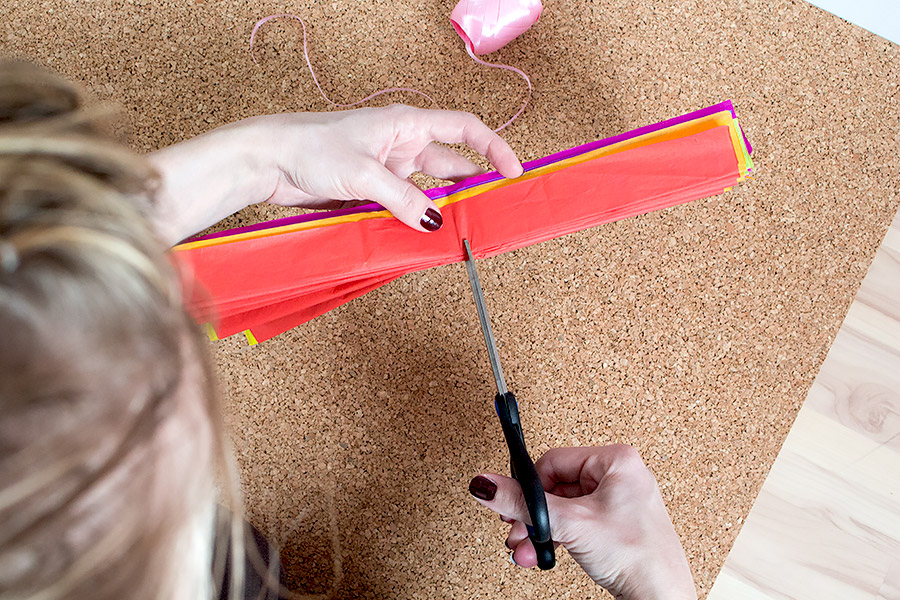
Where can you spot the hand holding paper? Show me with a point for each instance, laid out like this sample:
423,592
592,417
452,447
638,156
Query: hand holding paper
368,154
321,160
239,280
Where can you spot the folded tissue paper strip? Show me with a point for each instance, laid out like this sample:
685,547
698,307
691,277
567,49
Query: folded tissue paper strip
268,278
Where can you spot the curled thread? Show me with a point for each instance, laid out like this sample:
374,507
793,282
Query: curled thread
265,20
312,72
508,68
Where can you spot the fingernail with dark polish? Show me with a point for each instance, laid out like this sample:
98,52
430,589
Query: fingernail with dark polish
482,488
432,220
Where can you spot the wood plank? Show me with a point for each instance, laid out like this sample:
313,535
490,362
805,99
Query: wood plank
826,523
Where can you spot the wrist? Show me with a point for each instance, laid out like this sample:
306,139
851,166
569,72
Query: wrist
237,160
209,177
660,576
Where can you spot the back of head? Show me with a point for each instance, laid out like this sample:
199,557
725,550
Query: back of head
107,438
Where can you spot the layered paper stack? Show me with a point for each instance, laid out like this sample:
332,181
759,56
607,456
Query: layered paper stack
268,278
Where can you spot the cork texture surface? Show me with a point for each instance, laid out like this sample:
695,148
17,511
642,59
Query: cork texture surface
693,333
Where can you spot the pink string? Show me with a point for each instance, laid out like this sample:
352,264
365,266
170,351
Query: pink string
468,42
265,20
508,68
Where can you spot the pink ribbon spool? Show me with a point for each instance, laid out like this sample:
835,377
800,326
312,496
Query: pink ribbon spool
488,25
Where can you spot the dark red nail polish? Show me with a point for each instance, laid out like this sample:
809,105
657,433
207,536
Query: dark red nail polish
483,488
432,220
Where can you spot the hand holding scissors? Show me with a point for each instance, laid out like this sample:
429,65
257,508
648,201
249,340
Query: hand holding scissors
521,465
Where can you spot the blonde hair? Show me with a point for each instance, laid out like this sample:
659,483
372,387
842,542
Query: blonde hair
110,437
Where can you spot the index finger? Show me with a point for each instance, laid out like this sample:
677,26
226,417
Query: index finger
455,127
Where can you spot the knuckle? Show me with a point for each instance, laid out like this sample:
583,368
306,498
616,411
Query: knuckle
627,457
631,466
369,173
517,501
409,199
399,112
471,118
517,532
549,455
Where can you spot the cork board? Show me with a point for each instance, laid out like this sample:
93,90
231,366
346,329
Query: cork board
692,333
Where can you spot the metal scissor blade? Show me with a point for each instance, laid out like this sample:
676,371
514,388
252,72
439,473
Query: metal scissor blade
485,322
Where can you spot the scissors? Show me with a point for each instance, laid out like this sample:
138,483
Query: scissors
507,409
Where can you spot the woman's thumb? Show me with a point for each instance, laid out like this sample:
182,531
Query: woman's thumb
503,495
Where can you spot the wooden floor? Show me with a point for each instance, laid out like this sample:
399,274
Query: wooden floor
827,521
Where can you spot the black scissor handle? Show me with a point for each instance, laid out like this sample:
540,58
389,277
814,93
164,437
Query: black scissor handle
522,468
